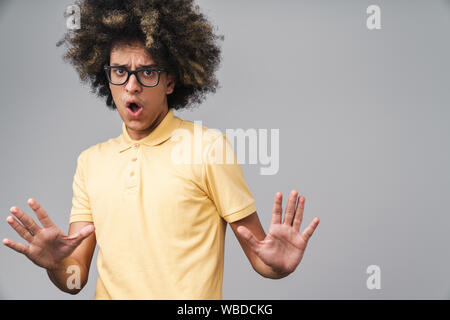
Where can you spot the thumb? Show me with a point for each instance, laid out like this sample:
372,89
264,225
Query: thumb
249,238
82,234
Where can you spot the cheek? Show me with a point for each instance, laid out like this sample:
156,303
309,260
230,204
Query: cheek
154,96
115,92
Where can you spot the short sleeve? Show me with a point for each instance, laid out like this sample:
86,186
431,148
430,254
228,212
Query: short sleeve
225,181
81,209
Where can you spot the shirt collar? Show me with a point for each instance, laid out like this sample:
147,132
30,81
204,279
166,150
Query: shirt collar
160,134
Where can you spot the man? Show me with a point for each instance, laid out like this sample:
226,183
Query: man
159,224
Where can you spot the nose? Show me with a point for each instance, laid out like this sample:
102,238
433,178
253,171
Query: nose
133,84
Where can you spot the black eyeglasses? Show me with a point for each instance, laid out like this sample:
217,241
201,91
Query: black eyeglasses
147,77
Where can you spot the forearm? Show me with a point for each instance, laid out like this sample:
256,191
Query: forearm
266,271
69,268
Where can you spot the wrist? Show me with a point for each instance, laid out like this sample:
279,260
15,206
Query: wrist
268,272
66,277
58,266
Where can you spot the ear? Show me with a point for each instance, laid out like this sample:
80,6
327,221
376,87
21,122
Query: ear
170,83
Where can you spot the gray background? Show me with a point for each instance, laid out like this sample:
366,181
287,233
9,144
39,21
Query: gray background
364,135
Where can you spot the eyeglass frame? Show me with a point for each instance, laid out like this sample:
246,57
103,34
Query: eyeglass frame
131,72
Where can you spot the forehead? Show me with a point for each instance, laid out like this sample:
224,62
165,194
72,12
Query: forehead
127,53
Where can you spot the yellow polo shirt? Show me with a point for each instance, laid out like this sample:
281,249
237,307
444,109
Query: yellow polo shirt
160,208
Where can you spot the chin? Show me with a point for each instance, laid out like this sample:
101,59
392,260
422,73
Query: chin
137,124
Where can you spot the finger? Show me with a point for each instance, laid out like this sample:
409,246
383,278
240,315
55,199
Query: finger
82,234
308,232
277,208
290,208
26,220
40,213
299,213
249,238
16,246
20,229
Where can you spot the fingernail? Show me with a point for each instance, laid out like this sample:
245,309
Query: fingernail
12,209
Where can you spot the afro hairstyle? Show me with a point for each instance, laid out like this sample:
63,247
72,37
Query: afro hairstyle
176,34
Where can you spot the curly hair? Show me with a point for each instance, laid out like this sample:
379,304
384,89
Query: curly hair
175,33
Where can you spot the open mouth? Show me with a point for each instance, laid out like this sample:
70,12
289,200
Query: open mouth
134,109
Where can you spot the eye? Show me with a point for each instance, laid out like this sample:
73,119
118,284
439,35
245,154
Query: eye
119,72
148,72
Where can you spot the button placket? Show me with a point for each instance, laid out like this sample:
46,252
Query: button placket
131,174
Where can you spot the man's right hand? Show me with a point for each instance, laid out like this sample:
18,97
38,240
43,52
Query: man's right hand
48,246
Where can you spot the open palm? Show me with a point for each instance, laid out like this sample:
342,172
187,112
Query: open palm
48,246
283,247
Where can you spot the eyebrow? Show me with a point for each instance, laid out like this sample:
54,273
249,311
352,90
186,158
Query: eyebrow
138,66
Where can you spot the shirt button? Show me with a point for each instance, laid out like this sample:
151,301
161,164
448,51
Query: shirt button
132,173
134,159
136,145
